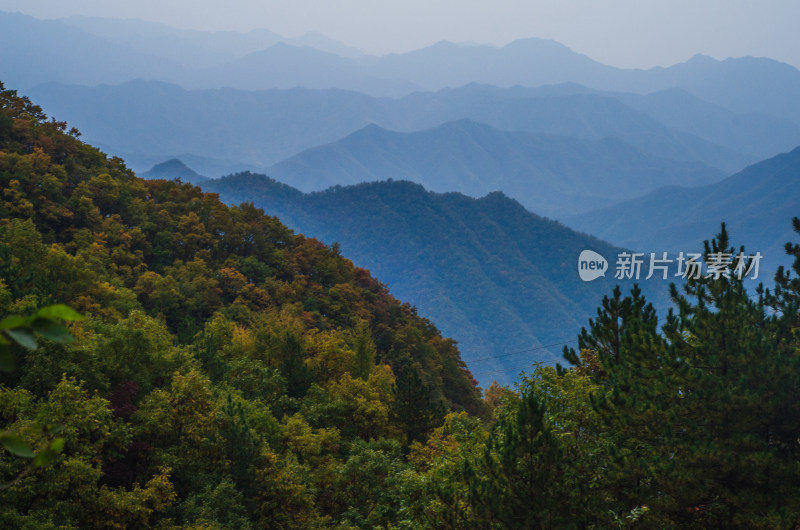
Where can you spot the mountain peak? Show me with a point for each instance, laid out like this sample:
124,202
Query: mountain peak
462,123
373,128
173,164
174,168
701,59
530,42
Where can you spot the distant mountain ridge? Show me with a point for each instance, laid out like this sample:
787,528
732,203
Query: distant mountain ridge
148,122
262,60
758,204
286,66
492,275
550,175
174,169
199,48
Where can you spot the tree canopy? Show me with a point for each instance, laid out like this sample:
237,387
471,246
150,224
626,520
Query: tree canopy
225,372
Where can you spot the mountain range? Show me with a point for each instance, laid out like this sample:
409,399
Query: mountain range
492,275
550,175
757,204
35,52
227,130
530,124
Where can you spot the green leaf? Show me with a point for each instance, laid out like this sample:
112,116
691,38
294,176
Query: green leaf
13,322
50,329
59,311
23,337
43,458
57,445
49,454
15,445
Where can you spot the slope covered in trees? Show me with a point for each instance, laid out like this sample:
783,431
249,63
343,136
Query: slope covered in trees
482,269
229,371
232,374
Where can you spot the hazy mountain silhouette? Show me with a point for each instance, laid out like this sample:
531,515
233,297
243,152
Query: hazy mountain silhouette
36,51
90,51
527,62
754,133
174,169
745,84
550,175
758,204
573,111
197,48
287,66
630,117
149,122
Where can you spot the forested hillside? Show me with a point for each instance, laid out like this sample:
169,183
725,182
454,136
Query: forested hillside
229,373
482,269
229,370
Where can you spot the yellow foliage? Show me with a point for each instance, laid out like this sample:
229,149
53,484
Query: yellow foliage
329,355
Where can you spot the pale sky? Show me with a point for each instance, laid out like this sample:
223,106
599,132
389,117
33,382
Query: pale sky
626,33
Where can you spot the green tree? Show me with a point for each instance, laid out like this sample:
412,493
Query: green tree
706,412
518,485
364,350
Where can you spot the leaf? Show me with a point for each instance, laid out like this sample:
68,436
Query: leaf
59,311
49,454
50,329
43,458
15,445
23,337
57,445
13,322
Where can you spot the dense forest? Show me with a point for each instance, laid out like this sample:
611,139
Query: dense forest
229,373
481,269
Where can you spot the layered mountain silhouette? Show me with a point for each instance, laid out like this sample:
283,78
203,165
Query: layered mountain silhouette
149,122
494,276
756,134
550,175
554,129
43,51
33,52
757,204
286,66
198,48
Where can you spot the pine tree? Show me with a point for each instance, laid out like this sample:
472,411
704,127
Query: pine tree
737,419
623,352
520,481
707,411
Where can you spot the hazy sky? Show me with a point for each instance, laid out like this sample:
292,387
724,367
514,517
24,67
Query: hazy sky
628,33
